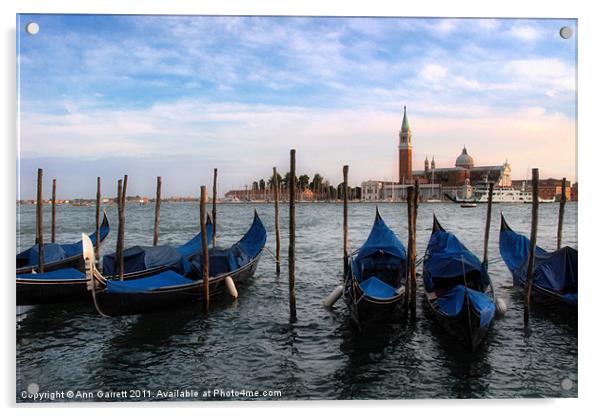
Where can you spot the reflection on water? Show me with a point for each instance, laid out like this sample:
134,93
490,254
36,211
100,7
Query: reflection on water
250,343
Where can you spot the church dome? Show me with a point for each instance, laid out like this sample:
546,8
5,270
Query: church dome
464,160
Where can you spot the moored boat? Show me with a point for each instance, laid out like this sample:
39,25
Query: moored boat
375,279
171,289
457,288
555,274
68,284
58,256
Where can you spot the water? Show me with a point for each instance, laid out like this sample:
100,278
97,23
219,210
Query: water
250,344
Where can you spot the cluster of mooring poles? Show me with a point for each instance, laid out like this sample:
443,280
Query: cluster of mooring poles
413,193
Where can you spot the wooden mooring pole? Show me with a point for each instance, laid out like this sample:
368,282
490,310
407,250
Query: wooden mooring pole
276,187
97,242
39,222
53,223
408,289
345,219
118,253
532,242
214,210
291,245
157,212
487,225
414,218
561,214
204,248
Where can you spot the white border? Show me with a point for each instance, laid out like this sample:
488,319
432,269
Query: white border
589,134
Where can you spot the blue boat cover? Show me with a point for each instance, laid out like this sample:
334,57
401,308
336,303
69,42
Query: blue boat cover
54,252
452,301
194,246
381,238
447,258
376,288
139,258
223,260
556,271
164,279
61,274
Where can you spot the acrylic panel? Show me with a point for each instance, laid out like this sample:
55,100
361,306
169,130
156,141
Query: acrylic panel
295,208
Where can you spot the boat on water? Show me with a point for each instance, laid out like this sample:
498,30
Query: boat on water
171,289
505,194
555,274
457,288
374,287
468,205
58,256
68,284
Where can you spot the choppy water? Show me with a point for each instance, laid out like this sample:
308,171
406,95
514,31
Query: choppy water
250,344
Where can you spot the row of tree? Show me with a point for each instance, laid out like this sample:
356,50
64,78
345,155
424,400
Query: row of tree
321,188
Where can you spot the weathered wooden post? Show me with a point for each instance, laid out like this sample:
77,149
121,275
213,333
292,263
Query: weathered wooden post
408,289
414,218
532,243
97,242
53,226
487,225
276,187
118,253
39,222
291,246
214,210
157,212
205,248
561,215
345,218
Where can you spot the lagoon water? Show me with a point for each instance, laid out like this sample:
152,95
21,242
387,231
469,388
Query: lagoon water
250,343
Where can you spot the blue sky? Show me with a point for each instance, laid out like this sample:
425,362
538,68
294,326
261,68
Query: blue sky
177,96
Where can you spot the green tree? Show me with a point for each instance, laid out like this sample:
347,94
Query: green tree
262,184
303,182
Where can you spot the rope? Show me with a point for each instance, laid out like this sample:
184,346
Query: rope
271,254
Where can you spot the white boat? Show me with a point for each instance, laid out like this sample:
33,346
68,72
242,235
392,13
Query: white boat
501,195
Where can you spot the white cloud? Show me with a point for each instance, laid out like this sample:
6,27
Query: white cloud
525,32
433,72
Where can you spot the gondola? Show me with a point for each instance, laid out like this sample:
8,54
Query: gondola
554,273
58,256
68,284
374,288
172,289
457,288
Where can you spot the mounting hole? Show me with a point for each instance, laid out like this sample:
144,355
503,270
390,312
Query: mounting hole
566,384
32,28
33,388
566,32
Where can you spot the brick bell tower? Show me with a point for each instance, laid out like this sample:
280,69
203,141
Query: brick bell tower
405,150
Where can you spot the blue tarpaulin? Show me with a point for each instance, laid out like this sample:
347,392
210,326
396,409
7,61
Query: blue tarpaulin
140,258
447,258
376,288
556,271
61,274
165,279
381,239
452,301
54,252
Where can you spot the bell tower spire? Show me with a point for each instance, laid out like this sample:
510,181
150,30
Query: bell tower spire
405,150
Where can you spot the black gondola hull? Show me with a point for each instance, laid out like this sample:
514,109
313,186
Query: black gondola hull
46,292
465,327
31,292
117,304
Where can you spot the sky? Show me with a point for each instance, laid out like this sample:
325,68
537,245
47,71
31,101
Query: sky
176,96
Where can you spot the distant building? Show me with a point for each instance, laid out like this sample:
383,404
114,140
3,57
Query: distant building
434,182
547,188
574,194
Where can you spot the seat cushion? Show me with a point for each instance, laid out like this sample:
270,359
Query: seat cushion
165,279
